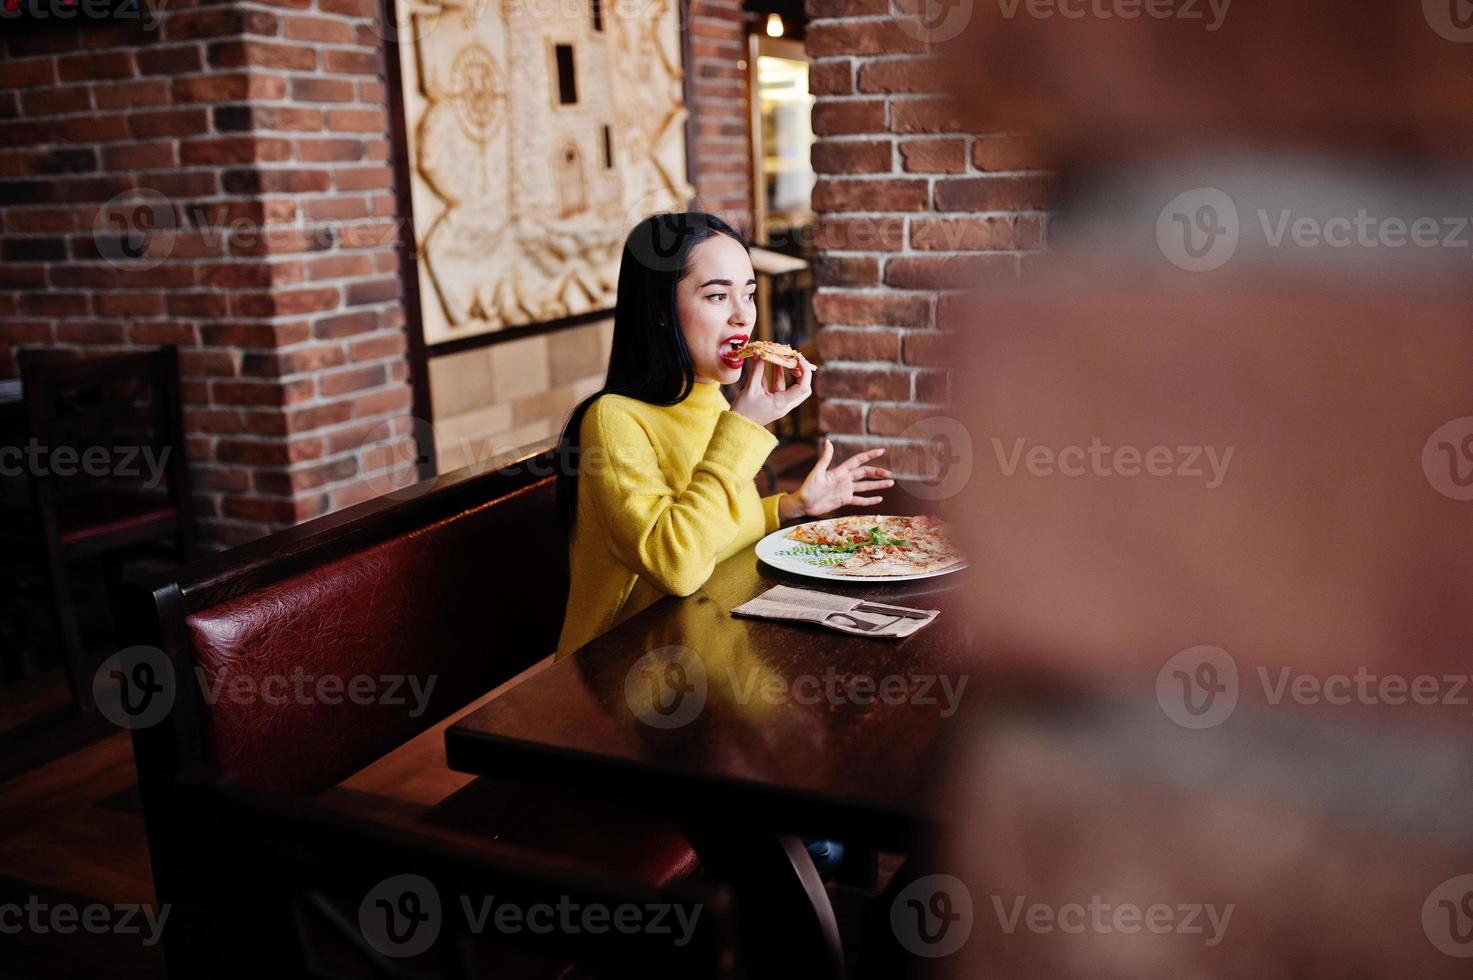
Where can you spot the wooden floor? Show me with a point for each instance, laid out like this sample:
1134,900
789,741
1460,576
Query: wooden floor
71,832
71,835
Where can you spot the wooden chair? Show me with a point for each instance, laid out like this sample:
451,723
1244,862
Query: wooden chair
309,892
124,411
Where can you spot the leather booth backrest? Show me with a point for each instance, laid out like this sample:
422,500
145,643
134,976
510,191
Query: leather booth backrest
305,681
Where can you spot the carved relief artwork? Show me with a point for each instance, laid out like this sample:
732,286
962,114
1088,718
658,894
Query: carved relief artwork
538,133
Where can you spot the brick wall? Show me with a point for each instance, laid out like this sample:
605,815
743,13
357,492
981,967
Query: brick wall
721,164
247,146
259,135
912,209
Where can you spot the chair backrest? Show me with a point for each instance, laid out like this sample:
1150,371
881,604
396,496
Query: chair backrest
300,658
106,423
311,892
420,623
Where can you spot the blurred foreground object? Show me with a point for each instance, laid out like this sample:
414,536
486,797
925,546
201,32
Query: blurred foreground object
1117,80
1232,407
1220,476
1102,844
1273,461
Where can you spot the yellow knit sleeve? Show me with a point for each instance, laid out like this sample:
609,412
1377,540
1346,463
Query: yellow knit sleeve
770,512
669,539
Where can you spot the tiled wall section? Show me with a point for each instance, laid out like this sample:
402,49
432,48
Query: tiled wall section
494,400
913,208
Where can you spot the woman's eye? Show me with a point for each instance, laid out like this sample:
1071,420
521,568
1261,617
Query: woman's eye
751,297
718,297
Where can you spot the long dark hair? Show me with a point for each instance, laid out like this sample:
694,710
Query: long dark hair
649,359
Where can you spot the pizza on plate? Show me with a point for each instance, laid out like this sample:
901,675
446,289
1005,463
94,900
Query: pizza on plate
879,545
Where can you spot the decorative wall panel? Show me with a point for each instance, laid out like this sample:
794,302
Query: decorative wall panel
539,131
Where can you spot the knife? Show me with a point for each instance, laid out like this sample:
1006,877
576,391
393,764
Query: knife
901,611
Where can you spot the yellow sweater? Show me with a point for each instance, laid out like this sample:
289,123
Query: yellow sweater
664,493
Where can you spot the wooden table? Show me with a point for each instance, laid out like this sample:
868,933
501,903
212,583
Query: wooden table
790,727
765,730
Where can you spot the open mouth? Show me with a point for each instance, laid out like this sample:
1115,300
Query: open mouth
729,347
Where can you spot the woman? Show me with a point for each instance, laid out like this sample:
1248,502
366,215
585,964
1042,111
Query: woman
661,482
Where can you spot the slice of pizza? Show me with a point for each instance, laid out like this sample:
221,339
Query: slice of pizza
770,351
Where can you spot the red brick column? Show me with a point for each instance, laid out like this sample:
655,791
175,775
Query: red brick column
912,207
247,148
721,159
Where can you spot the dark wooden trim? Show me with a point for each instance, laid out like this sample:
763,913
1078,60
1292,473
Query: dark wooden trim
422,403
224,575
516,333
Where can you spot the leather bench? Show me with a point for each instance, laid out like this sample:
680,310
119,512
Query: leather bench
301,658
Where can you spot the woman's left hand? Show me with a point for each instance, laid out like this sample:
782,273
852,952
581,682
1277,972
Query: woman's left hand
826,490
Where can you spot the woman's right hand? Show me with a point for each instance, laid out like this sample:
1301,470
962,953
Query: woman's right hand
765,402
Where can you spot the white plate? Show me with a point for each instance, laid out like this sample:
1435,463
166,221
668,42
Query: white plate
770,549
